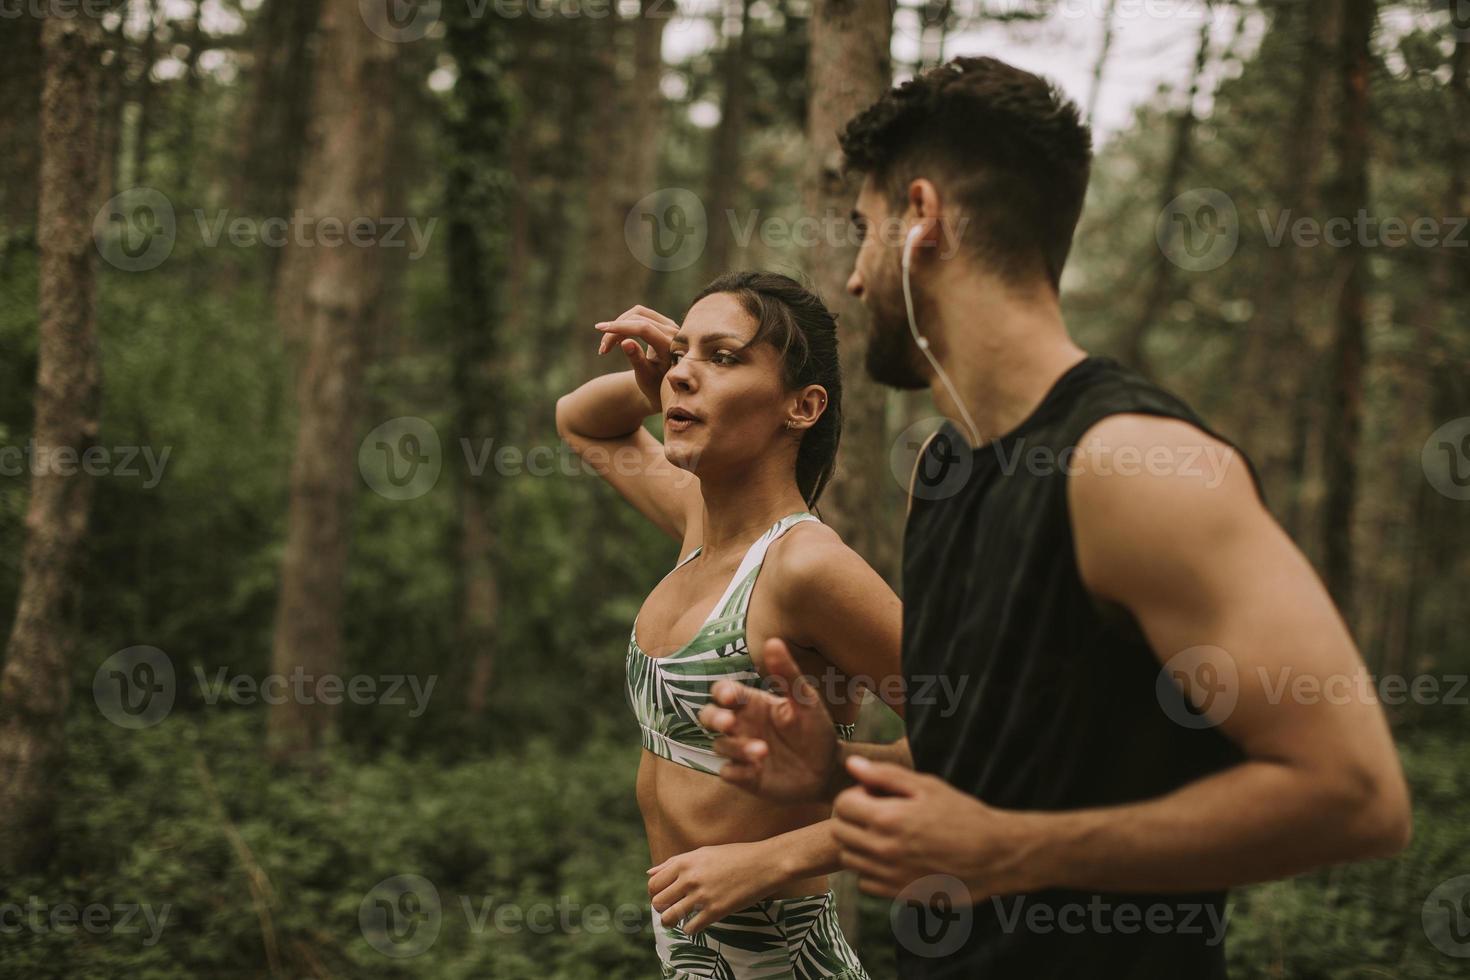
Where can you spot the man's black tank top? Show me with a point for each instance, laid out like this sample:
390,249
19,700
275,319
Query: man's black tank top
1059,708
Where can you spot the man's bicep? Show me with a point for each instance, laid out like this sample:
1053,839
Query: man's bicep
1227,603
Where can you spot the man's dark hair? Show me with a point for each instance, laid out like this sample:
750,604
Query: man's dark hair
1005,145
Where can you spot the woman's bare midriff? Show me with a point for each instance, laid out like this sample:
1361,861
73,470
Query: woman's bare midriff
684,809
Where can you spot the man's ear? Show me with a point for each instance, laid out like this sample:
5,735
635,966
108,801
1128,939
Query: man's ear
924,209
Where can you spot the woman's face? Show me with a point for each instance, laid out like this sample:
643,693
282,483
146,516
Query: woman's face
734,392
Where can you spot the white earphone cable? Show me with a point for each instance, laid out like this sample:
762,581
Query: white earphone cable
923,345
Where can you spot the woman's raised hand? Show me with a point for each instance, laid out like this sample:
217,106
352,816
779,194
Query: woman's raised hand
651,361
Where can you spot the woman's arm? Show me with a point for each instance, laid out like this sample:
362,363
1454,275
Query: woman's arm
709,883
831,600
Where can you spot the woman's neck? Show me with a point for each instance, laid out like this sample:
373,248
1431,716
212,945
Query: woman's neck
739,510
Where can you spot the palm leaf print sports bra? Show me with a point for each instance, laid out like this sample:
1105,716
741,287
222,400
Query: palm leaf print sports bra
667,692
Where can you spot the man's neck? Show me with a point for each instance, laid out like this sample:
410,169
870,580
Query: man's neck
1002,352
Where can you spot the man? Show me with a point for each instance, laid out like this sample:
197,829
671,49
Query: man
1091,573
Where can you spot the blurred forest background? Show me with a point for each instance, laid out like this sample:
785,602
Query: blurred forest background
355,470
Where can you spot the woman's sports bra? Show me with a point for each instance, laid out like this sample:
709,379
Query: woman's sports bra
667,692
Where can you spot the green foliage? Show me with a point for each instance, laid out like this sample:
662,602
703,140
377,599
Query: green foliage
531,828
537,827
1365,920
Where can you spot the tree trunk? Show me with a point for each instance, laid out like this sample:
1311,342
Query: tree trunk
724,166
276,115
1161,280
477,262
112,98
1418,503
185,107
1348,348
20,149
1274,354
344,178
1109,26
143,93
36,683
624,169
848,69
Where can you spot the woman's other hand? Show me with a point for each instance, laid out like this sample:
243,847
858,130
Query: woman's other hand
709,883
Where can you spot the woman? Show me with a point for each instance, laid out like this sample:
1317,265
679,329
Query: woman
751,397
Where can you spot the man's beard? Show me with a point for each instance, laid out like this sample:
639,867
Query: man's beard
893,359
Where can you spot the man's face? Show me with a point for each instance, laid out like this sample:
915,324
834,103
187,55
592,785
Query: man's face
893,358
